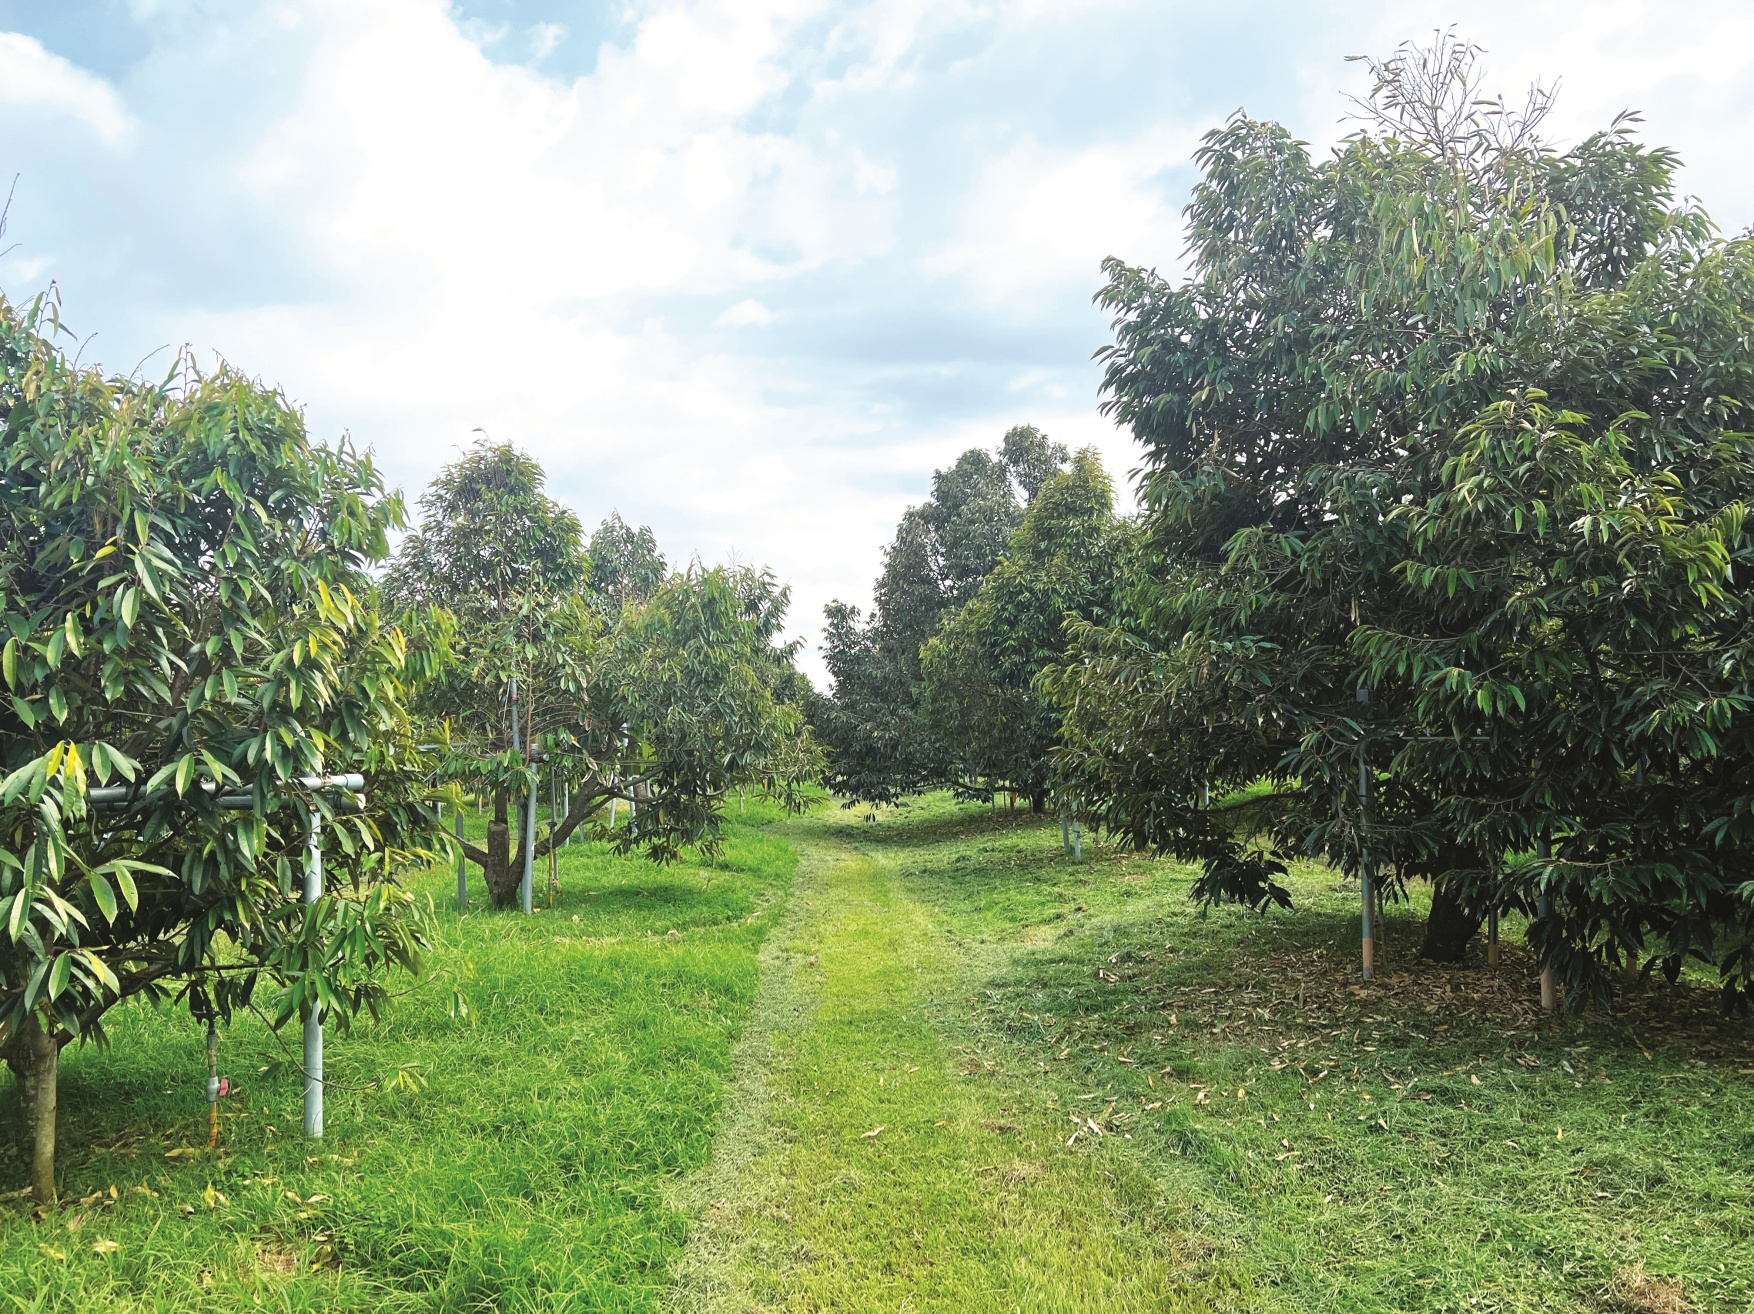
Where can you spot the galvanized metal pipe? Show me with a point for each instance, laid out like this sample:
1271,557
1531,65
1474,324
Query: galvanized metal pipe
314,1016
122,795
1367,895
529,882
462,861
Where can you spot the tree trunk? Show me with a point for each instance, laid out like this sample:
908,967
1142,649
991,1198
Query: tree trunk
1038,802
499,872
35,1059
1449,926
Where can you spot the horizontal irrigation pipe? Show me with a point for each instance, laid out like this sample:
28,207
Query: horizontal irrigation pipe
354,785
112,796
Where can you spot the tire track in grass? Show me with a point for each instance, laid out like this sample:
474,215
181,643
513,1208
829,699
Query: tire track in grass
872,1161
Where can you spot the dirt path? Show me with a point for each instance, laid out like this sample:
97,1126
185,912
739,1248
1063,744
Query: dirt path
874,1159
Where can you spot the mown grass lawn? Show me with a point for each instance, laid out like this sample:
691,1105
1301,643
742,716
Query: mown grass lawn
1424,1142
977,1076
877,1162
519,1164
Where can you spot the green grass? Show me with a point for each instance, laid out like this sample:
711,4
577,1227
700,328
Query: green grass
882,1160
1086,1096
526,1171
1424,1142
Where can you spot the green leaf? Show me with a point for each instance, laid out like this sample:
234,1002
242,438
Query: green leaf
58,974
20,911
104,895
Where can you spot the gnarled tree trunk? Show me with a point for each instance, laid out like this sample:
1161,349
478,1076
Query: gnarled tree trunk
1449,926
34,1055
501,858
500,873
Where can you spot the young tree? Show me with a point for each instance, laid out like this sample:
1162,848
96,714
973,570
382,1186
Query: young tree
699,680
188,614
507,564
1322,408
667,703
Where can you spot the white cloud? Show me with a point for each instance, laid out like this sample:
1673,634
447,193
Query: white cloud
33,78
1041,218
545,38
421,224
748,312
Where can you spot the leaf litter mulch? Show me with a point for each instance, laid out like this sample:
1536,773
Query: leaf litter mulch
1294,998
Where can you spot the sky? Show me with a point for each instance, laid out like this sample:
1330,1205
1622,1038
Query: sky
747,272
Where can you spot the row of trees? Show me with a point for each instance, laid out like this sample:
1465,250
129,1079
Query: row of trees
592,669
1443,572
196,644
937,687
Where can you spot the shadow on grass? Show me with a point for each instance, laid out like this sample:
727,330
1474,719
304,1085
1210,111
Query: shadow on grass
1427,1140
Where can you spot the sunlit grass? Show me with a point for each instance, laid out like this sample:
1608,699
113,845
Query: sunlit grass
892,1165
1426,1142
1090,1096
512,1160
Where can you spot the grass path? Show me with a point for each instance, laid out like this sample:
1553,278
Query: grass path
877,1159
1258,1130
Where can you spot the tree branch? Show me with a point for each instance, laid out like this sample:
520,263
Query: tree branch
579,809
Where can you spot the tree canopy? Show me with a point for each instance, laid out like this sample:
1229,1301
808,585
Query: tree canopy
626,565
879,746
189,615
664,690
1454,421
978,693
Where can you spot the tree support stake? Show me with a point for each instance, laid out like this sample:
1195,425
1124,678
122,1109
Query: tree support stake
314,1014
1367,943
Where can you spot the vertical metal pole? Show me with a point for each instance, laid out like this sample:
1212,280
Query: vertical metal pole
1544,908
1077,836
314,1017
528,887
1367,896
212,1080
462,862
525,887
